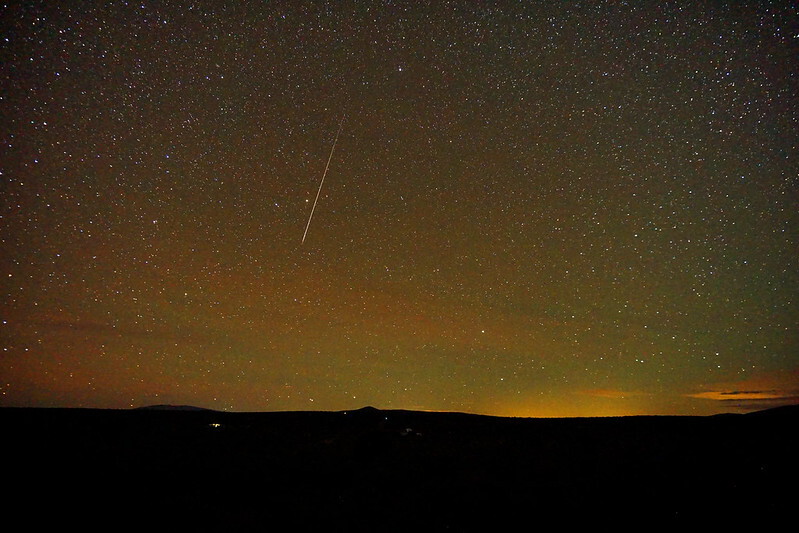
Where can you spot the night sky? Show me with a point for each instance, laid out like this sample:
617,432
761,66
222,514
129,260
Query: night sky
533,208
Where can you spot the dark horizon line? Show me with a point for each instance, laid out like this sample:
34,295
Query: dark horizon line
368,408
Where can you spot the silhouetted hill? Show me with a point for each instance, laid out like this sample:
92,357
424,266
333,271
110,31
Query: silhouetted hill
166,407
392,470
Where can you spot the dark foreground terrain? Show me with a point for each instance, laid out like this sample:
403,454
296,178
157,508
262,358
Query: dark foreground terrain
371,470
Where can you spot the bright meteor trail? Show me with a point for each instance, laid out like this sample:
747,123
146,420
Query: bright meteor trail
322,182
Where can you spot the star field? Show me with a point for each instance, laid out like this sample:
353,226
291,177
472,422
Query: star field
533,209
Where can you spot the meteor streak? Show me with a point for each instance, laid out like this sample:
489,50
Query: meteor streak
322,182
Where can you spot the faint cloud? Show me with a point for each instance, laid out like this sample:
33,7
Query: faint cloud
736,395
761,390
